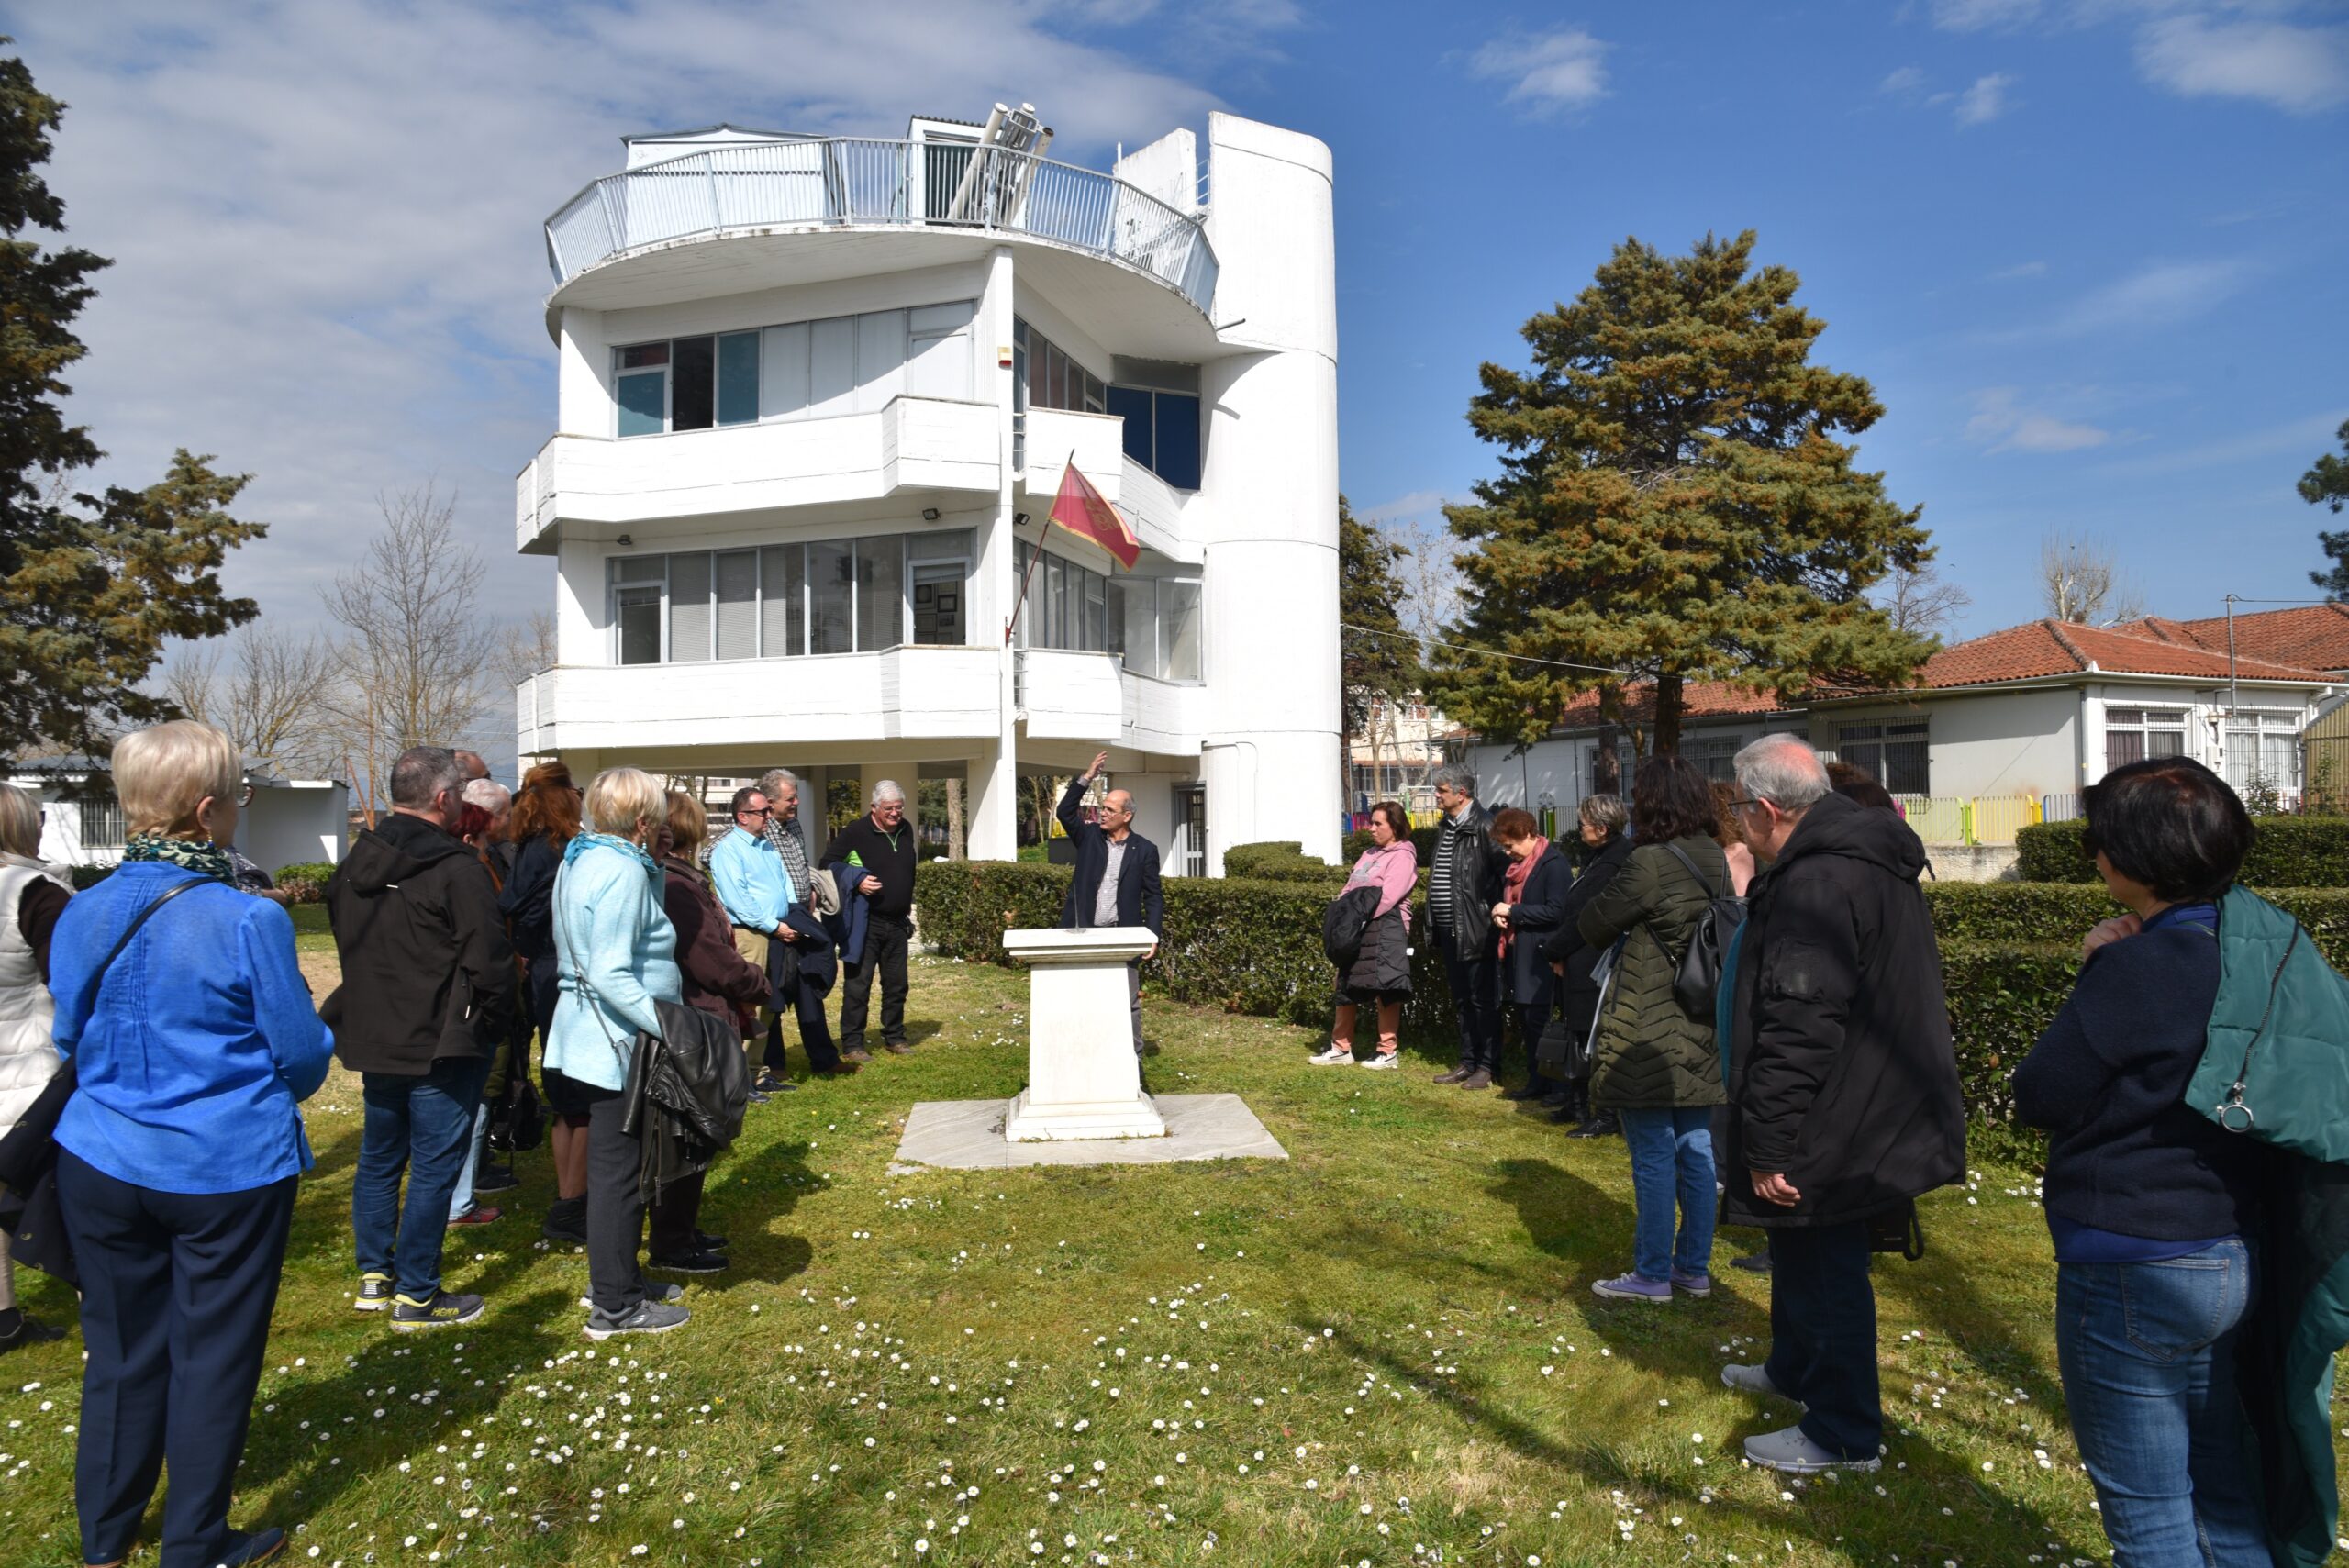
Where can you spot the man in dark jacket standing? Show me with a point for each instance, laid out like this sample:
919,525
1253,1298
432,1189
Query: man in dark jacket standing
1463,883
1842,1085
427,992
881,845
1116,874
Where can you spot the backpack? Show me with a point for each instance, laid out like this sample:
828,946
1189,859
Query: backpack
1696,979
1346,922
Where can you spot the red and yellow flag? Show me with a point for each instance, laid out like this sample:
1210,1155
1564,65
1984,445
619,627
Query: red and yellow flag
1085,512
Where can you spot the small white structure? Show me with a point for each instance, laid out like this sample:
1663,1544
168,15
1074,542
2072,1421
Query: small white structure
284,821
1083,1080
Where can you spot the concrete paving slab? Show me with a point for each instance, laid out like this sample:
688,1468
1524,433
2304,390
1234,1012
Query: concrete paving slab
967,1135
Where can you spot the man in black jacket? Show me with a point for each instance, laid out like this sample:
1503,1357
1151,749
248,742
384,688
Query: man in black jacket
428,991
1116,872
1842,1087
882,845
1463,883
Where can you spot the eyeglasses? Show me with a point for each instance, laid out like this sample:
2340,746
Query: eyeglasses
1746,805
762,811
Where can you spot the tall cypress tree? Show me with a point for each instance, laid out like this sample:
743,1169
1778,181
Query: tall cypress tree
90,585
1673,504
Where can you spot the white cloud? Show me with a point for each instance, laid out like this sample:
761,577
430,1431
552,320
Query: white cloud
1547,72
2301,69
2001,424
1975,16
1985,101
1907,79
2159,292
324,214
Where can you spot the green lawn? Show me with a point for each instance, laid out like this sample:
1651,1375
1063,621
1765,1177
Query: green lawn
1383,1350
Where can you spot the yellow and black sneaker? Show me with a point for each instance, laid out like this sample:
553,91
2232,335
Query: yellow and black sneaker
443,1311
374,1293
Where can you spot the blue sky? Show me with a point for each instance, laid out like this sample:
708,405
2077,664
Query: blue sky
2089,251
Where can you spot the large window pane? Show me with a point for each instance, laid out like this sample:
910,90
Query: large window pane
938,591
1178,629
1132,405
831,587
1092,612
693,383
880,592
689,607
1139,600
880,358
644,403
737,378
831,365
638,611
1176,432
783,589
1056,597
783,372
738,605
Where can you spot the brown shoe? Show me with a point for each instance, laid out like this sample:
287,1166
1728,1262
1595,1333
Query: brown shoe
898,1047
1454,1076
856,1054
1479,1079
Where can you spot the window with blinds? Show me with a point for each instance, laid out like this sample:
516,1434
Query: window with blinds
785,600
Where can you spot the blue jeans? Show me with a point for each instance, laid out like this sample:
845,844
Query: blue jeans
461,1203
424,1126
2148,1353
1672,1148
1822,1334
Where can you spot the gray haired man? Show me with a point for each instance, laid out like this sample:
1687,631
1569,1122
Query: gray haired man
875,853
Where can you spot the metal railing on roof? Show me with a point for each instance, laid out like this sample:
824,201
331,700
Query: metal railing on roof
850,181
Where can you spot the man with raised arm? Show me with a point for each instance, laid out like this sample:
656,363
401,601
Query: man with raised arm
1116,874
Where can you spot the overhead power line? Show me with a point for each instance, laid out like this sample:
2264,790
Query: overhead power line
1487,652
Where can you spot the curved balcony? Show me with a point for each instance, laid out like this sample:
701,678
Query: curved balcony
850,182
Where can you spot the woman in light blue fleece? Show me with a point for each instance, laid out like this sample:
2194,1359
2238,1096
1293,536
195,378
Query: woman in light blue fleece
616,956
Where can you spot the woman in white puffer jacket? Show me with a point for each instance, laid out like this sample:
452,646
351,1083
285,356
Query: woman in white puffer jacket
32,897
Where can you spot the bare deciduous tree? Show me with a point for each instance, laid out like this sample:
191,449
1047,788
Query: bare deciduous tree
2080,581
524,648
413,649
1923,600
263,688
1431,581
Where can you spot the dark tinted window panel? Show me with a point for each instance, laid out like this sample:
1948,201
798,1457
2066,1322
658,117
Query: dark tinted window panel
693,380
1177,431
737,378
1133,407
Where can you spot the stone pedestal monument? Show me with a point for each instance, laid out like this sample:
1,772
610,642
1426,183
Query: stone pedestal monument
1082,1079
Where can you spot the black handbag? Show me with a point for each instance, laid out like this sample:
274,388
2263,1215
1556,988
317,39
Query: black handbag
1696,978
29,1151
1898,1230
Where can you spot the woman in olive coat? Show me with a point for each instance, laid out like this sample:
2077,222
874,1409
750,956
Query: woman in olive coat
1653,1065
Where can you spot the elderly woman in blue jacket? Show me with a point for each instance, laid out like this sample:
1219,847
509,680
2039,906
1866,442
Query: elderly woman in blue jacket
179,1152
617,957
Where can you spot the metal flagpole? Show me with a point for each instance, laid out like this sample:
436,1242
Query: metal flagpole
1025,577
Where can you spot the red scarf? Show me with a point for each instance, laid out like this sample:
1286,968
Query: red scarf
1513,883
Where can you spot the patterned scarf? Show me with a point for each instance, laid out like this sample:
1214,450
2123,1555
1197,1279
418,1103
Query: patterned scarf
1513,883
198,855
587,841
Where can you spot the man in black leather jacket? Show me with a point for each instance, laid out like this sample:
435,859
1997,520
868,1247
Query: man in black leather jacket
1463,883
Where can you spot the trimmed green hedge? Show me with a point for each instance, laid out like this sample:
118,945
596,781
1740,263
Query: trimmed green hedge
1282,859
304,881
2286,851
1422,840
86,877
2010,951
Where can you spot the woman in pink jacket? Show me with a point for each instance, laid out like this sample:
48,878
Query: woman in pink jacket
1381,974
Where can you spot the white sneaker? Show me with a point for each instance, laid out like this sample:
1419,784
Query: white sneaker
1386,1063
1336,1056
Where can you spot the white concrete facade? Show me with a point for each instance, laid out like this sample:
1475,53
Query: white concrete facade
761,421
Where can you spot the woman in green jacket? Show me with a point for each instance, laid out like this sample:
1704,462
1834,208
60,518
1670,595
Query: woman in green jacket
1654,1065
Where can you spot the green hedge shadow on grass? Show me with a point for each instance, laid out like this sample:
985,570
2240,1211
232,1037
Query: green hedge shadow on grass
2009,952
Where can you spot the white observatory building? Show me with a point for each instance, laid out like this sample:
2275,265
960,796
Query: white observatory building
817,396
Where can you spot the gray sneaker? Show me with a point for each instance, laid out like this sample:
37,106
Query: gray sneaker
654,1290
650,1317
1755,1380
445,1310
1792,1453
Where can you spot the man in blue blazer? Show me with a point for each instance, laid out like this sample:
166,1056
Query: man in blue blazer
1116,872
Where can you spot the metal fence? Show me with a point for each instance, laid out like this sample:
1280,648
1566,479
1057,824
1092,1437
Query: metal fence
1982,819
856,180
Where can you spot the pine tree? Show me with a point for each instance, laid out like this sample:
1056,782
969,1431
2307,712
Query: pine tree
2326,483
1376,660
90,585
1672,504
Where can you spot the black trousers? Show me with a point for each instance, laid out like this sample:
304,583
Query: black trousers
801,994
885,939
1532,1018
177,1290
615,1206
1476,985
1822,1333
676,1215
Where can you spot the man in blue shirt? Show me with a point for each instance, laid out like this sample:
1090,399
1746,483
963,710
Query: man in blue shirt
751,882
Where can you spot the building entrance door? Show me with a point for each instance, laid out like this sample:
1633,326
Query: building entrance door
1191,828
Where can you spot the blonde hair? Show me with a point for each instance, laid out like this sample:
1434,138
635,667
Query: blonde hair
19,822
162,775
620,798
689,824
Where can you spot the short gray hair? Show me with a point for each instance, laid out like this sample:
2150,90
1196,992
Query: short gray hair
772,782
1604,811
421,774
489,794
1457,775
1783,771
886,790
